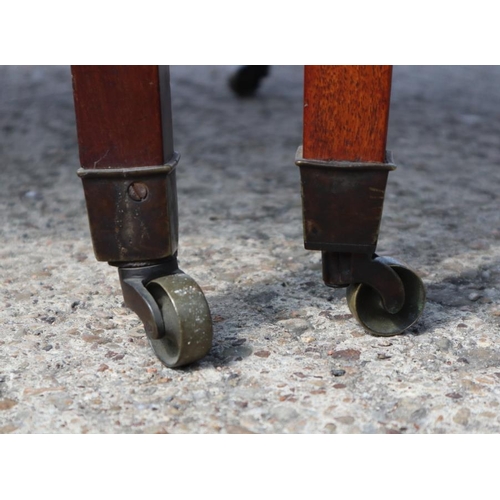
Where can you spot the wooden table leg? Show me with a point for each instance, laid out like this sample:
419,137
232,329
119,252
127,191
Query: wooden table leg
344,168
346,112
128,162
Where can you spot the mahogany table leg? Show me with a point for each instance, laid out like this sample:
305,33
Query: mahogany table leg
128,166
344,168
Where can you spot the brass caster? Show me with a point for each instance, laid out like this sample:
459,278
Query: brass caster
367,306
186,319
173,309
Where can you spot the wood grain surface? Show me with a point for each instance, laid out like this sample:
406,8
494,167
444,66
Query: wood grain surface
346,112
118,115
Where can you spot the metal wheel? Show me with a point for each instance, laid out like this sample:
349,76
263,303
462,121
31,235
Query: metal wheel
367,307
187,320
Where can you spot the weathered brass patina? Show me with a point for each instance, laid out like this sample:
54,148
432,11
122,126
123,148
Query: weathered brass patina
342,203
132,211
173,309
342,209
367,305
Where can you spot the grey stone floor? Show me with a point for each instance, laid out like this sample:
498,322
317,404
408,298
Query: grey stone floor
74,360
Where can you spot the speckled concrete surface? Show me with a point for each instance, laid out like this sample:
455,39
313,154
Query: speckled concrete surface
287,355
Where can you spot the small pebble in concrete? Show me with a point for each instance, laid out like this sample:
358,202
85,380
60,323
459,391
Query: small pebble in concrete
347,419
383,355
462,416
295,325
349,354
444,344
473,296
262,354
7,404
7,429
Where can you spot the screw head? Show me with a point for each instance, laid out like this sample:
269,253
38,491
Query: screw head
138,191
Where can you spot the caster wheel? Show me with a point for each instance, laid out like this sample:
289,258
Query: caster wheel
187,320
246,80
367,307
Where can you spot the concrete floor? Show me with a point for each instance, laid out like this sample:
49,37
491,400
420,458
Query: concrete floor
74,360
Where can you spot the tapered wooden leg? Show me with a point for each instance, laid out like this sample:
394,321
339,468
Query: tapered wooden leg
128,165
125,137
346,112
344,169
118,115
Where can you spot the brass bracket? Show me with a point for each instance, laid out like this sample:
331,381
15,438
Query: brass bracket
132,212
343,269
133,281
342,203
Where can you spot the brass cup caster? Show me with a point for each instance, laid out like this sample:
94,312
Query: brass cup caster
342,204
367,305
173,309
134,226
